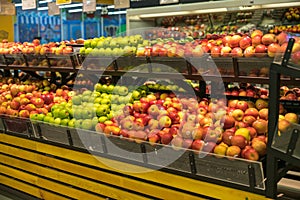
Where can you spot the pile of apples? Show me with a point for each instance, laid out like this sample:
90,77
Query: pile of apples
108,46
29,99
34,47
238,129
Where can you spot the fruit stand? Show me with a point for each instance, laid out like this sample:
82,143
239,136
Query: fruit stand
172,113
76,148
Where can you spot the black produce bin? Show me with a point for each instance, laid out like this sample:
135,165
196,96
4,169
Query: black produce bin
21,126
89,140
54,133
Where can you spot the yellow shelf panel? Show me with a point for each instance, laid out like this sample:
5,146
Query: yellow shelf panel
176,181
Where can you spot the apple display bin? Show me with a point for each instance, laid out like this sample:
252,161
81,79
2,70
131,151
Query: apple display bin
15,59
84,139
53,133
207,65
254,66
68,61
16,125
288,142
2,60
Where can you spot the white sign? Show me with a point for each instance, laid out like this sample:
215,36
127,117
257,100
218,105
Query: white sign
28,4
168,1
53,9
89,5
8,9
121,4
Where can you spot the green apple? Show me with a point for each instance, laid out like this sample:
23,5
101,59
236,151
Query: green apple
87,124
102,119
57,121
102,110
87,93
95,121
40,117
63,113
76,100
87,43
97,100
82,50
48,118
97,87
88,50
123,91
136,95
105,101
103,88
77,123
86,98
64,122
71,122
110,115
110,88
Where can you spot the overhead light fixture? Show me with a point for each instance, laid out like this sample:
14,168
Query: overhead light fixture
42,8
71,5
117,12
281,5
75,10
98,8
165,14
111,6
214,10
18,5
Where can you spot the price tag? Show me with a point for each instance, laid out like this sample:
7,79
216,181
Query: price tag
89,5
53,9
61,2
121,4
28,4
168,1
8,9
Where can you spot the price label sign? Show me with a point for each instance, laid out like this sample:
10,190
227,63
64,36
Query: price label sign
61,2
89,5
8,9
53,9
121,4
28,4
168,1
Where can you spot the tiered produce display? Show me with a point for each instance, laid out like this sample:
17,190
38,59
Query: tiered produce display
154,112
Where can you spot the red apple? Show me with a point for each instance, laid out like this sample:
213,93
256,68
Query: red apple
252,132
273,49
260,147
261,126
215,51
237,52
249,51
226,137
234,41
198,145
243,105
245,42
251,154
239,140
256,40
260,50
233,151
263,113
268,39
249,119
256,32
252,112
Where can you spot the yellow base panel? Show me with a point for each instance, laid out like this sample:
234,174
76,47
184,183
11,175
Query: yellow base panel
46,169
